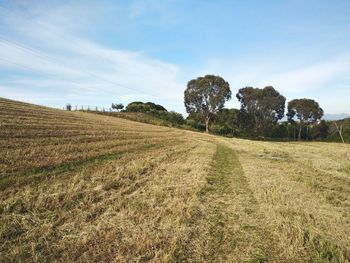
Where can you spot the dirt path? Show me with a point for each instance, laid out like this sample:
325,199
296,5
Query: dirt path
234,229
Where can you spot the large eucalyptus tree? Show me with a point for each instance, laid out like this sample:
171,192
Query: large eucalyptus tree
206,95
306,110
263,106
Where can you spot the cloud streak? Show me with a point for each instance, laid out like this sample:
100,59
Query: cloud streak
312,77
73,64
48,52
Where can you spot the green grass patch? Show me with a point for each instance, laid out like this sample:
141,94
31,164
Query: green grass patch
321,250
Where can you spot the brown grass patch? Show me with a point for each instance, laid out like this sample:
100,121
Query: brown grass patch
82,187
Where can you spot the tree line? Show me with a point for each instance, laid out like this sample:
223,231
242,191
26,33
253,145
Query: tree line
260,112
260,115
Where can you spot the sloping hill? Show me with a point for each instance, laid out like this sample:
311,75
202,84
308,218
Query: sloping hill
334,117
83,187
38,137
138,117
79,186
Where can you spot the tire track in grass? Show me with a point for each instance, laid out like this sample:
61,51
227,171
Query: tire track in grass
233,224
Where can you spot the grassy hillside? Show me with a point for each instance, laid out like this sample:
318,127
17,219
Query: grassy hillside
83,187
138,116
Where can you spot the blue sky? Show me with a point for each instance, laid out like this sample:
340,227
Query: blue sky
99,52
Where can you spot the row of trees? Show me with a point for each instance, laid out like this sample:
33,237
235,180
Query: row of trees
232,122
260,110
260,113
259,116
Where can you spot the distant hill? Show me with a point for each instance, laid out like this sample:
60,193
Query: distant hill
334,117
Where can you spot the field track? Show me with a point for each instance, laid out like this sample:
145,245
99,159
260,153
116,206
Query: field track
82,187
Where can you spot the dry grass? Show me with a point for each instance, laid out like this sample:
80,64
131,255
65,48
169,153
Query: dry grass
83,187
303,190
88,188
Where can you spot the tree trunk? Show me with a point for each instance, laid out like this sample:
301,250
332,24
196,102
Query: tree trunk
207,123
299,133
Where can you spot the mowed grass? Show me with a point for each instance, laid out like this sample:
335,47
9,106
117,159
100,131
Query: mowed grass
303,192
83,187
88,188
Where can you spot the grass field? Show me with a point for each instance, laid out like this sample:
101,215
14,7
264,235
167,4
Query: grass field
81,187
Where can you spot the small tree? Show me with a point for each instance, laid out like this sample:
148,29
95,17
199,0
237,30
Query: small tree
68,107
206,95
174,117
117,106
306,110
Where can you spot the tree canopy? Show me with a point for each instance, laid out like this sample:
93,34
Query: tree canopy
138,106
206,95
117,106
306,110
264,106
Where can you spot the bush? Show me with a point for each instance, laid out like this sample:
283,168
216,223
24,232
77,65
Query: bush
138,106
173,117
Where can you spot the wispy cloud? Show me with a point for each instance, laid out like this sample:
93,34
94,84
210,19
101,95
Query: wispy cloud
312,77
292,79
102,52
73,64
326,81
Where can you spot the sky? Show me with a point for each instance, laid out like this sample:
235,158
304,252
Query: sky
98,52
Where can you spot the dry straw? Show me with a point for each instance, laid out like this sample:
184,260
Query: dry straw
342,138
